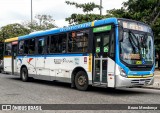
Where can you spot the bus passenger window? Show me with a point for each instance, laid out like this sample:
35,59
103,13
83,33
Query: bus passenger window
58,44
31,49
26,44
47,46
21,47
29,46
41,45
78,41
53,48
8,49
62,43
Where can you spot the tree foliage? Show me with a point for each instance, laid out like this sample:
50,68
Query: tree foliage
86,16
12,30
82,18
87,7
41,22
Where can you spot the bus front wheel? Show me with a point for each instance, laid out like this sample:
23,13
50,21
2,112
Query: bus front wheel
81,81
24,74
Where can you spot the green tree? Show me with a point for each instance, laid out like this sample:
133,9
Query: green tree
87,7
41,22
86,16
12,30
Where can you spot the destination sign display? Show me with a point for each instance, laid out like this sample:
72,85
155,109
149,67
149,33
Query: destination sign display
135,26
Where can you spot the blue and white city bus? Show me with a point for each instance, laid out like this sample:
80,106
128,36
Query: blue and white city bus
113,52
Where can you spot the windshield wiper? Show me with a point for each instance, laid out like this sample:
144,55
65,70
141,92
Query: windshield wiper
134,41
143,40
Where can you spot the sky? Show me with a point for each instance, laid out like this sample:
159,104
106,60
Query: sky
19,11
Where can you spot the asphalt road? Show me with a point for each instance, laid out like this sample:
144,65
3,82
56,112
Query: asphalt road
14,91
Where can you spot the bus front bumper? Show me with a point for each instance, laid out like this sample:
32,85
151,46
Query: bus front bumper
133,82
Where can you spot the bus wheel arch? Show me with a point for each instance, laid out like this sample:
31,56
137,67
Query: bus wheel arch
24,73
77,74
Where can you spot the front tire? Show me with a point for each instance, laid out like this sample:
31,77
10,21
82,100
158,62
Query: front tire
24,74
81,81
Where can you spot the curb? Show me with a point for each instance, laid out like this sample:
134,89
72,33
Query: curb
148,87
156,85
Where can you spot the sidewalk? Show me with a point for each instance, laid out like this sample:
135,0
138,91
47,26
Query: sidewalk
156,84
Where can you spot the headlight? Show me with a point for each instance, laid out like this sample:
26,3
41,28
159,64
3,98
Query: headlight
122,72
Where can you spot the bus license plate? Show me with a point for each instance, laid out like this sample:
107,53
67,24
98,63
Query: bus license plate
142,82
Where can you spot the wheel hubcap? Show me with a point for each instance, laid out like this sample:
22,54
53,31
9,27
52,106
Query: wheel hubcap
82,80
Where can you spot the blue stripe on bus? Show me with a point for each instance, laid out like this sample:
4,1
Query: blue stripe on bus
52,55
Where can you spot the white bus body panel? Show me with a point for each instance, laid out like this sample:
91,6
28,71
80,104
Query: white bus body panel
54,68
15,66
8,64
111,73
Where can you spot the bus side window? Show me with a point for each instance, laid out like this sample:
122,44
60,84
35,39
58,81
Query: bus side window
47,46
53,44
78,41
26,44
58,43
62,43
8,48
21,47
31,47
41,45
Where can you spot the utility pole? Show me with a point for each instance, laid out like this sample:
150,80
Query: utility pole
31,14
100,7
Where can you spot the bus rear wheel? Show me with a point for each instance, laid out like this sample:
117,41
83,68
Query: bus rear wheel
24,74
81,81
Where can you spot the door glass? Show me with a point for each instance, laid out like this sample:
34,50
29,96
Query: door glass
98,46
104,71
97,71
14,51
105,47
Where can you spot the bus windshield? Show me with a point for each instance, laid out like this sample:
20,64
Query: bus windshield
137,48
136,51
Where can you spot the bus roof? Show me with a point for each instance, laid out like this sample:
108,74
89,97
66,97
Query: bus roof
11,39
70,28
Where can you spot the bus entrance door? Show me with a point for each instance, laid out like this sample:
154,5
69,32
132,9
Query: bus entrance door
14,54
101,58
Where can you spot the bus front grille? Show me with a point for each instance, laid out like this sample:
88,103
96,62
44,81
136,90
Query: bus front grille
140,81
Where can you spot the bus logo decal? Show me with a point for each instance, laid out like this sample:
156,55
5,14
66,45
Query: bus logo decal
30,59
20,60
